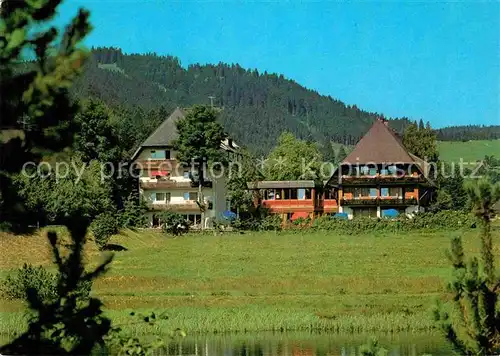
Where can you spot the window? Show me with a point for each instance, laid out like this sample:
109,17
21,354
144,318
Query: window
308,193
160,197
395,192
286,194
301,193
186,174
373,192
384,172
330,194
158,154
384,192
365,192
278,194
392,169
293,194
373,171
190,196
167,154
364,170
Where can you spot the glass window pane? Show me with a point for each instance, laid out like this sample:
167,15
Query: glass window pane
373,192
373,171
365,192
193,196
301,193
186,196
293,194
308,193
160,196
384,192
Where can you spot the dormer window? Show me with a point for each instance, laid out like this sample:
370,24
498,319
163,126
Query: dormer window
157,154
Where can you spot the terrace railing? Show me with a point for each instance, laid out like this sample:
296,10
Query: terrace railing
385,201
382,179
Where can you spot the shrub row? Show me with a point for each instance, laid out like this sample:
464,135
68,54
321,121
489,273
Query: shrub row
422,221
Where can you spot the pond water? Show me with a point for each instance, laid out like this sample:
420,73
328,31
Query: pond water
305,344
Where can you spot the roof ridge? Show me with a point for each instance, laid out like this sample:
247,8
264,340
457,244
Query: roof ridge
380,144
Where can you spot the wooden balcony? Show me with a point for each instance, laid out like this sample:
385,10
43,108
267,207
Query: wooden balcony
189,205
170,183
289,205
382,179
330,205
379,201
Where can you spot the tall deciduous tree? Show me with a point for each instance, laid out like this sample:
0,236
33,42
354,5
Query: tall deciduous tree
472,326
96,138
34,110
421,141
199,141
242,172
293,159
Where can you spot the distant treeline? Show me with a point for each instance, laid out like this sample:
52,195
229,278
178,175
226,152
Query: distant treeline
469,132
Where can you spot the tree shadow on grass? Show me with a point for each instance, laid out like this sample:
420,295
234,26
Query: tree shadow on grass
114,247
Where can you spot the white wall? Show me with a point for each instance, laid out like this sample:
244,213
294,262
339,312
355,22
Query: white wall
217,194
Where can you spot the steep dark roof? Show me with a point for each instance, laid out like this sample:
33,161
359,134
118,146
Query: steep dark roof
166,132
379,145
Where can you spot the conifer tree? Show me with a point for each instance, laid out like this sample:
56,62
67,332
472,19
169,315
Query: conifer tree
36,113
472,322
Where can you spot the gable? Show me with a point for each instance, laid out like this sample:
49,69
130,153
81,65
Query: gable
379,145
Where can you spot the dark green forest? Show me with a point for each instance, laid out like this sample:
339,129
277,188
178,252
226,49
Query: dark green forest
257,107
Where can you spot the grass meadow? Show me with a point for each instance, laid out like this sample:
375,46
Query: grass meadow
260,281
469,151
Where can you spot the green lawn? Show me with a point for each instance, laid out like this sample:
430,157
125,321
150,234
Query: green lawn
469,151
265,281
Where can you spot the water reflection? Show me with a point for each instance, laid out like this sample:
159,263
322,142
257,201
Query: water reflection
296,344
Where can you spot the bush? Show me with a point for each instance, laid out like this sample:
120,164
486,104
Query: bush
174,223
37,278
271,222
429,221
266,223
103,227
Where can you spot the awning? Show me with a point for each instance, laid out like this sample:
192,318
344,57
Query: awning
299,215
159,173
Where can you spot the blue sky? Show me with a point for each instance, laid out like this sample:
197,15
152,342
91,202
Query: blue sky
435,61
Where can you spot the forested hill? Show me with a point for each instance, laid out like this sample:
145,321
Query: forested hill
257,107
